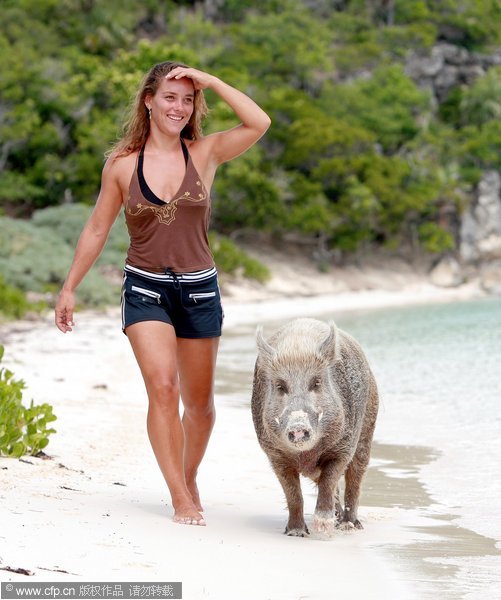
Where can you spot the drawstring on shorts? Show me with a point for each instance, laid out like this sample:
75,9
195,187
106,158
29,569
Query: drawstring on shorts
176,283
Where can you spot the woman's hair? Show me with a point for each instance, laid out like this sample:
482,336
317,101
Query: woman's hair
137,125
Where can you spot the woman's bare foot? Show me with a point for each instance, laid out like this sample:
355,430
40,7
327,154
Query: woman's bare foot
190,520
187,514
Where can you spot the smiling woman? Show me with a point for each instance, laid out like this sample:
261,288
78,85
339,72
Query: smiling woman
162,171
173,101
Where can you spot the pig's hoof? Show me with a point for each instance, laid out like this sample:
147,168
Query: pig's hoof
349,525
297,531
324,524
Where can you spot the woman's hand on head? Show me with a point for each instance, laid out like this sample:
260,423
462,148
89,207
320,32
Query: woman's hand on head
200,80
64,311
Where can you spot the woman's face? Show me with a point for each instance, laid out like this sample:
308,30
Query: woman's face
172,105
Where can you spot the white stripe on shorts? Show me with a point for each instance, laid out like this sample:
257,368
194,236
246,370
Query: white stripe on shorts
181,277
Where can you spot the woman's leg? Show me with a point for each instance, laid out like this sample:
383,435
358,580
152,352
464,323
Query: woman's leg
155,347
196,366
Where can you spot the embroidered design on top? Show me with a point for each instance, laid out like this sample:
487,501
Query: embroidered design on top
167,212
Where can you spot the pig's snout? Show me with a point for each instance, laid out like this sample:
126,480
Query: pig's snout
298,429
298,434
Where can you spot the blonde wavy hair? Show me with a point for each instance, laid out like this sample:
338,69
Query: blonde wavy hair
137,125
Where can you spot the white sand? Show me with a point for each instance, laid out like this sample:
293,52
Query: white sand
69,514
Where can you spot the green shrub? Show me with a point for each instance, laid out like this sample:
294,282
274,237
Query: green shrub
13,302
22,430
434,238
481,102
67,222
34,257
31,258
229,258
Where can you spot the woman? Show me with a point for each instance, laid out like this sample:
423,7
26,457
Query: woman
162,171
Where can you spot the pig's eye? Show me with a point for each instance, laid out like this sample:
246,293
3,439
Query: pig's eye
281,387
315,384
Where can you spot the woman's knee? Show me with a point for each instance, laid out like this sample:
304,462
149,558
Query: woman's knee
163,391
202,410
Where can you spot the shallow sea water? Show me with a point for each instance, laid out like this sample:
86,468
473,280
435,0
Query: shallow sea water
437,448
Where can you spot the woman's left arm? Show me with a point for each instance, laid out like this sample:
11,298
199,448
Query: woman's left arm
228,144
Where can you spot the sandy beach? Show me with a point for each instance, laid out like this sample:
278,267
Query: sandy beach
98,509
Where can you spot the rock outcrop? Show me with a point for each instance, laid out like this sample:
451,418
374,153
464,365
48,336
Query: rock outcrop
448,66
479,256
480,235
447,273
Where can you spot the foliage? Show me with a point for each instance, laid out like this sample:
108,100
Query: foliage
471,23
23,430
67,222
357,152
386,104
230,259
481,103
434,238
33,259
13,302
246,197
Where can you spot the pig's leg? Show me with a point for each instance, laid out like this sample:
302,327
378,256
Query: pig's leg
328,506
289,479
353,479
356,469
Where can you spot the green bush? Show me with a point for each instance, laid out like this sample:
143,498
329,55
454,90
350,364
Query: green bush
68,221
246,197
13,302
31,258
481,102
34,257
229,258
434,238
22,430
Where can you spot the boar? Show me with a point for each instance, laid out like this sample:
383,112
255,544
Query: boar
314,407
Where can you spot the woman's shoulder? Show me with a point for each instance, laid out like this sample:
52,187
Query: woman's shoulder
116,164
118,169
119,160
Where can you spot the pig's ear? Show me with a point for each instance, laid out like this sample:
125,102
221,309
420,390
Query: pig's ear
266,352
329,347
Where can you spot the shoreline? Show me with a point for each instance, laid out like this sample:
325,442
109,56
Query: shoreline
238,310
297,286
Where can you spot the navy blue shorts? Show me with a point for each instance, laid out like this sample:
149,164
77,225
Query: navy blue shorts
190,302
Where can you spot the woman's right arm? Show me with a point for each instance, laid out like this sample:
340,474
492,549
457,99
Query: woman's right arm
91,243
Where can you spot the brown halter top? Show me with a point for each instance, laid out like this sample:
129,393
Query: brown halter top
169,234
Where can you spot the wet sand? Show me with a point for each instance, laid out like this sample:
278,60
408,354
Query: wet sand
98,509
436,551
